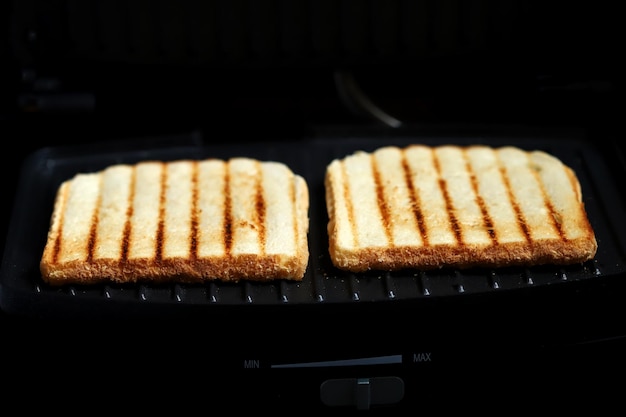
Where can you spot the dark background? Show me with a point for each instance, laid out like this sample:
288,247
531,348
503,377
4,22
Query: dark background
92,71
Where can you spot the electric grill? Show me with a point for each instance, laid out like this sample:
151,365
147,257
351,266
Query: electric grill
98,83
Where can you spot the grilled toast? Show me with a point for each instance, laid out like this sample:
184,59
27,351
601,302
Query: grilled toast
452,206
180,221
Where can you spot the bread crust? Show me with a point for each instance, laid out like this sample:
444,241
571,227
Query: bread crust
527,209
157,222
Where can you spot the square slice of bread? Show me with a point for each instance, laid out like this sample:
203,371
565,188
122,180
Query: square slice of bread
180,221
454,206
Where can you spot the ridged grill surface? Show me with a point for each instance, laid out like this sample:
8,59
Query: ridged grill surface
243,31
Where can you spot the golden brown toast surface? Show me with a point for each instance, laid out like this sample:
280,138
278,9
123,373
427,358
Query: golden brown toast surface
179,221
450,206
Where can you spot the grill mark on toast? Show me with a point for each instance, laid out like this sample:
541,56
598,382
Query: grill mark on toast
57,243
161,225
448,200
348,199
228,217
128,226
259,205
554,216
383,206
193,234
294,211
519,215
416,204
487,220
93,229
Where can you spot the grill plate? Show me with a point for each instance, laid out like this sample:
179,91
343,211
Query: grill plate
23,291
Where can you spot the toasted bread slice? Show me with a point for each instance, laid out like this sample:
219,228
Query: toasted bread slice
450,206
180,221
